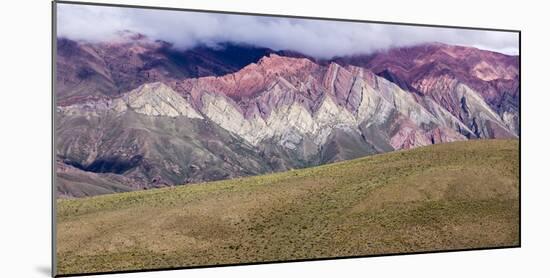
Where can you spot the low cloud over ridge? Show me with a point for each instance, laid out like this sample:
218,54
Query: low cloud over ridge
318,38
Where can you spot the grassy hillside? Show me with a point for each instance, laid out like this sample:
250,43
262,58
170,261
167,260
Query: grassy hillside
449,196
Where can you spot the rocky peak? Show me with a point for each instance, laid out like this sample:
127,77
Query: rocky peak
157,99
255,77
274,64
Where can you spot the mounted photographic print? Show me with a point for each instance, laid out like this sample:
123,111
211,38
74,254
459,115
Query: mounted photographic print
189,138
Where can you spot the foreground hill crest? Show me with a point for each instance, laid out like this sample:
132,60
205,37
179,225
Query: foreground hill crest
453,196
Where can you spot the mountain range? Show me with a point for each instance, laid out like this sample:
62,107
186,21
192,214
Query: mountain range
134,113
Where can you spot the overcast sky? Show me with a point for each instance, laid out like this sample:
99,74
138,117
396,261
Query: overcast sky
318,38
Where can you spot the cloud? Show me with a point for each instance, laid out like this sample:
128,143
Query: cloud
318,38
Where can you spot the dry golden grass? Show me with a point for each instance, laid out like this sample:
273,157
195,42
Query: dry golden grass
442,197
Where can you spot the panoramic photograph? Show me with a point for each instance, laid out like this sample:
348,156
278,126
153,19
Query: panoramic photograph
187,138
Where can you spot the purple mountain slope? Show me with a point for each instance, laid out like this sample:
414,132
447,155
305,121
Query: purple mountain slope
135,114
